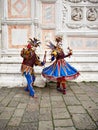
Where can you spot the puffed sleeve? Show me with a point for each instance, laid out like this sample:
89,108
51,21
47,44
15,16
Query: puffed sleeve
53,55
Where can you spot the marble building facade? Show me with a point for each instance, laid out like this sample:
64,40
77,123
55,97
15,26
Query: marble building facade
75,20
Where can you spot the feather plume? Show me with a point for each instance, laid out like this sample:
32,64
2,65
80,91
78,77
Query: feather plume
51,45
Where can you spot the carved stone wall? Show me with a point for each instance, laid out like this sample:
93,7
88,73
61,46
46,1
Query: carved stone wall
0,26
77,1
47,18
85,13
48,22
22,19
76,20
81,22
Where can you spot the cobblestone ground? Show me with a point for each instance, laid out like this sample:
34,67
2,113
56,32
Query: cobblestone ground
77,110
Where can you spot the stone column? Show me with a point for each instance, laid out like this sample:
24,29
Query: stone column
0,24
0,36
58,16
35,17
4,34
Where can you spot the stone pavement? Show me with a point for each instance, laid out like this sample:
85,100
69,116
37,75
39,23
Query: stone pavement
77,110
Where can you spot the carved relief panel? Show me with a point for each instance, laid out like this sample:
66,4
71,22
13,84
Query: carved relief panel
48,16
92,14
77,1
48,23
18,25
47,35
80,20
19,8
27,18
77,14
83,43
93,1
18,35
80,16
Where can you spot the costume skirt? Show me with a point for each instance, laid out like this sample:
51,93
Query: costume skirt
60,70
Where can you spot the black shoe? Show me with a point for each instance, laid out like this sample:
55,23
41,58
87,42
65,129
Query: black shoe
64,91
59,89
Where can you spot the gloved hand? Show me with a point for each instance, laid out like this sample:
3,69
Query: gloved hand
52,58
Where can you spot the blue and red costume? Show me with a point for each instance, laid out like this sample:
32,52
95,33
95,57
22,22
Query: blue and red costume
30,59
60,70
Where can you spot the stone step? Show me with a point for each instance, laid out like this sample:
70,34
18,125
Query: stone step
10,74
10,60
18,80
72,59
15,68
12,80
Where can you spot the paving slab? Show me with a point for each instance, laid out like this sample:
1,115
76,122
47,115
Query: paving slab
77,110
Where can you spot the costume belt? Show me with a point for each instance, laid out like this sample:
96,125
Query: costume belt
25,68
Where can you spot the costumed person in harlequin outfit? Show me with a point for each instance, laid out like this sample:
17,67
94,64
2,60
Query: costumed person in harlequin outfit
31,59
60,70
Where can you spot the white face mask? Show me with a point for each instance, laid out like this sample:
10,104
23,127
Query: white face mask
34,48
